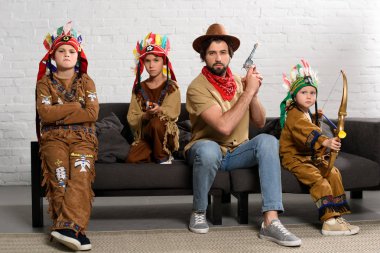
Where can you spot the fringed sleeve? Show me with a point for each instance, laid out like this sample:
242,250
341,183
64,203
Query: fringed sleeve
134,117
171,108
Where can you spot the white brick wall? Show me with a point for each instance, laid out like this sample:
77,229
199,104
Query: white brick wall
332,35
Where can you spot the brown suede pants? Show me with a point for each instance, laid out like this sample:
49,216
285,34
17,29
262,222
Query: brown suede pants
327,193
151,146
68,168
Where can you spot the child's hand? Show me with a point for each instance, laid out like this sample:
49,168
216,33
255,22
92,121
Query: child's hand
332,143
320,113
154,110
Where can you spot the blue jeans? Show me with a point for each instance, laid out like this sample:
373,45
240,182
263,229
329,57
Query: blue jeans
206,158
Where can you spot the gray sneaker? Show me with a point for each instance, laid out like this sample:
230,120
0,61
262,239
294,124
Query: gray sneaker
277,233
198,223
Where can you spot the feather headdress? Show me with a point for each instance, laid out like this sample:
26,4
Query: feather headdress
152,44
64,35
300,76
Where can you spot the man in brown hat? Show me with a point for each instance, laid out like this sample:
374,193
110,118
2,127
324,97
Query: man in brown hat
221,105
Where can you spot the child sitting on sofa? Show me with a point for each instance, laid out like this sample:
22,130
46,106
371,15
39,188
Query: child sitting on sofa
155,104
301,139
67,109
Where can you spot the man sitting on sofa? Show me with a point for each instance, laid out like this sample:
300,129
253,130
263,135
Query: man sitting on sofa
220,106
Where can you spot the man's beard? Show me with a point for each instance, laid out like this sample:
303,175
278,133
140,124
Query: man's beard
218,71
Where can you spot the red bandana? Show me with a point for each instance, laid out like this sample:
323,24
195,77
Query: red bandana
226,86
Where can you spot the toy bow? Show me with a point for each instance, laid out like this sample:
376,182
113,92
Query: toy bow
339,131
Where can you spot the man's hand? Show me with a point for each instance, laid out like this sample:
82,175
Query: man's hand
252,81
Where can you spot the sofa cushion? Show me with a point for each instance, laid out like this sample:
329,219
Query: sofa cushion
357,172
112,145
184,128
120,110
352,168
122,176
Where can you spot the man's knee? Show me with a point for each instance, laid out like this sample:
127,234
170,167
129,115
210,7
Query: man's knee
208,152
267,142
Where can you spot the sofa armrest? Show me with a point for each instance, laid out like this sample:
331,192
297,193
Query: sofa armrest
363,138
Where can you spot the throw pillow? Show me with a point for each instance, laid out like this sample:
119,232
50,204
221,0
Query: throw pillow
113,146
184,137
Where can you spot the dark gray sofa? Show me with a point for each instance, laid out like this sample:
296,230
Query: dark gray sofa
360,171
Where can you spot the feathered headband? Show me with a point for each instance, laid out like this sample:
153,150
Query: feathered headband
152,44
300,76
65,35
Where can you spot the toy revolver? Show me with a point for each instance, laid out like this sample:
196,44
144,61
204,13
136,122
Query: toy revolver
149,105
249,62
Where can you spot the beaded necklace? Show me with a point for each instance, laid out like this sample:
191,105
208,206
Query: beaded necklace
68,96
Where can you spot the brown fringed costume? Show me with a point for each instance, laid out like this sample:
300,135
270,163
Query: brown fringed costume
68,110
156,138
300,140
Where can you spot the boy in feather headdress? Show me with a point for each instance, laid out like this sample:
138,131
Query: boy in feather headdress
155,104
301,139
67,109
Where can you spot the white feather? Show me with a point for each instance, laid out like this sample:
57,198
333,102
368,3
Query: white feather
67,27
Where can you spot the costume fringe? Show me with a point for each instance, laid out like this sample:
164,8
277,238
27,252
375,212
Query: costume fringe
49,179
173,131
49,187
63,133
92,193
67,225
330,204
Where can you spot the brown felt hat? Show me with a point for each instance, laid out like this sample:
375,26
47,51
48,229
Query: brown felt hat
216,31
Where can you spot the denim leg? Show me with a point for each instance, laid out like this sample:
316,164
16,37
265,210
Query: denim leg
205,157
263,151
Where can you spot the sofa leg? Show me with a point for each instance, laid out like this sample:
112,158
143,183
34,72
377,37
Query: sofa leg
226,198
37,201
214,209
358,194
242,207
37,212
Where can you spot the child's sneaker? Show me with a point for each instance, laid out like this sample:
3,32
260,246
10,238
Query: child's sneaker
338,226
67,237
84,241
169,161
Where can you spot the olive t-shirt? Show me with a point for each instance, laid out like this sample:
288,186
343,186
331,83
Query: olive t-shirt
200,96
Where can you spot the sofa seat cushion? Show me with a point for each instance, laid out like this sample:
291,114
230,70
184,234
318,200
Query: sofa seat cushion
357,173
146,176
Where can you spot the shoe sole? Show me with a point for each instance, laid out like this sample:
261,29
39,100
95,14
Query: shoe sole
351,232
167,162
199,230
283,243
85,247
67,241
